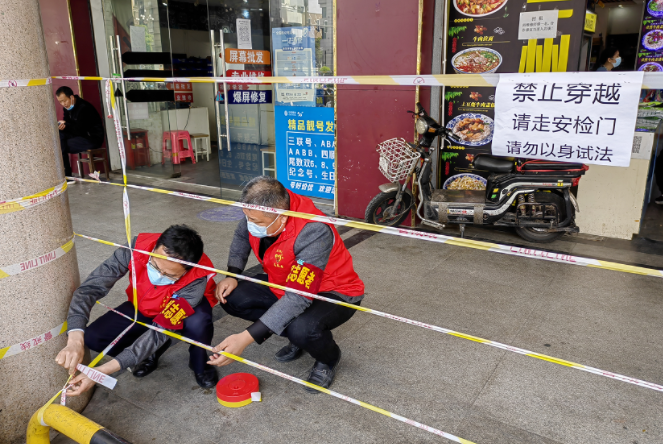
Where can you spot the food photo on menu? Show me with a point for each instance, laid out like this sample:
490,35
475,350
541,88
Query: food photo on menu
476,61
478,8
650,53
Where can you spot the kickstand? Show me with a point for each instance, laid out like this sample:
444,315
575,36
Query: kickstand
462,230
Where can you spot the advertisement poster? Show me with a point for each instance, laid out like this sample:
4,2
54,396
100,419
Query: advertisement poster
294,56
482,36
650,53
469,113
570,117
305,150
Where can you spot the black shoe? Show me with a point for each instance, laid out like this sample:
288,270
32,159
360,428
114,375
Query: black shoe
208,378
659,200
288,353
150,364
322,374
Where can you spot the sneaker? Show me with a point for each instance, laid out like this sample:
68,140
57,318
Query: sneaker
659,200
288,353
322,375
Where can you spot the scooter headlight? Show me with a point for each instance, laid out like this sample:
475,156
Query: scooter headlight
421,126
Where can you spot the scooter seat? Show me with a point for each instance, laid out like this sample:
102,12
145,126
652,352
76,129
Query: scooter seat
493,164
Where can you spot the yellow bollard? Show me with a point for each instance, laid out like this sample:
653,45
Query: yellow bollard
69,423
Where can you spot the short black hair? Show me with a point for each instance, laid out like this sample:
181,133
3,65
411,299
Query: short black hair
605,55
182,242
64,90
266,191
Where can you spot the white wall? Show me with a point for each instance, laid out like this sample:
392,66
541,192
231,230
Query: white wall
625,20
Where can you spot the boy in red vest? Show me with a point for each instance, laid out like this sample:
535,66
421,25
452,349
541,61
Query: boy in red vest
171,295
296,253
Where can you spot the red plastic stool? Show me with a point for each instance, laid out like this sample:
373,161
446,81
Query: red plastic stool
165,152
179,137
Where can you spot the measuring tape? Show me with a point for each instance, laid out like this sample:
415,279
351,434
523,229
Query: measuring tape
127,223
298,381
520,351
23,203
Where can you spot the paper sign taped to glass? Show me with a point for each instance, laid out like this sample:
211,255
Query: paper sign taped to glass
567,117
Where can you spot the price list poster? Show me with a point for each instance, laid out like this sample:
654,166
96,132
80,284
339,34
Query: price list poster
650,53
500,36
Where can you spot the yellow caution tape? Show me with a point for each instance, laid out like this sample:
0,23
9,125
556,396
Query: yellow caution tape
21,267
23,203
299,381
496,344
431,237
33,342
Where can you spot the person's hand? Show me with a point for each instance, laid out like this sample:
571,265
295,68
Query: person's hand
61,124
233,344
72,355
79,385
224,288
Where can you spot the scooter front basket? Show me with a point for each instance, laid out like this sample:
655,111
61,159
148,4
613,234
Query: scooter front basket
396,159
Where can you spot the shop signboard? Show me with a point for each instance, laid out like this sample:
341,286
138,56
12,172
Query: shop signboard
650,53
247,56
483,37
181,96
305,150
244,73
179,86
249,97
567,117
294,56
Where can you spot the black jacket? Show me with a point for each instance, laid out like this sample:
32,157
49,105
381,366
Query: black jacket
84,121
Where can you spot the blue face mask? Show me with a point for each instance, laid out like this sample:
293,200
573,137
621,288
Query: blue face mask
157,278
618,61
257,230
70,108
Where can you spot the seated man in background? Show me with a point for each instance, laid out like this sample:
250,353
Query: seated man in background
82,128
171,295
296,253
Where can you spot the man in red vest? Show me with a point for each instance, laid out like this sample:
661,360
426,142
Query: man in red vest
299,254
172,295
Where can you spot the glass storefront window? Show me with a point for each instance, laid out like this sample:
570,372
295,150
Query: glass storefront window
182,38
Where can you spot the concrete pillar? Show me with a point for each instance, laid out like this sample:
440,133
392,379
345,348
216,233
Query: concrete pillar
35,301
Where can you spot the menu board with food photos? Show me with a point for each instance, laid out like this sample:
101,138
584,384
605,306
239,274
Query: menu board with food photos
650,53
482,37
468,112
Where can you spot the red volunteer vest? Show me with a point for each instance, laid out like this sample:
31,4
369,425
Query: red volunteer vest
339,275
153,298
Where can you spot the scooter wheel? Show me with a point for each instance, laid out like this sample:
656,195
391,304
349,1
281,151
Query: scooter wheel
544,237
376,209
